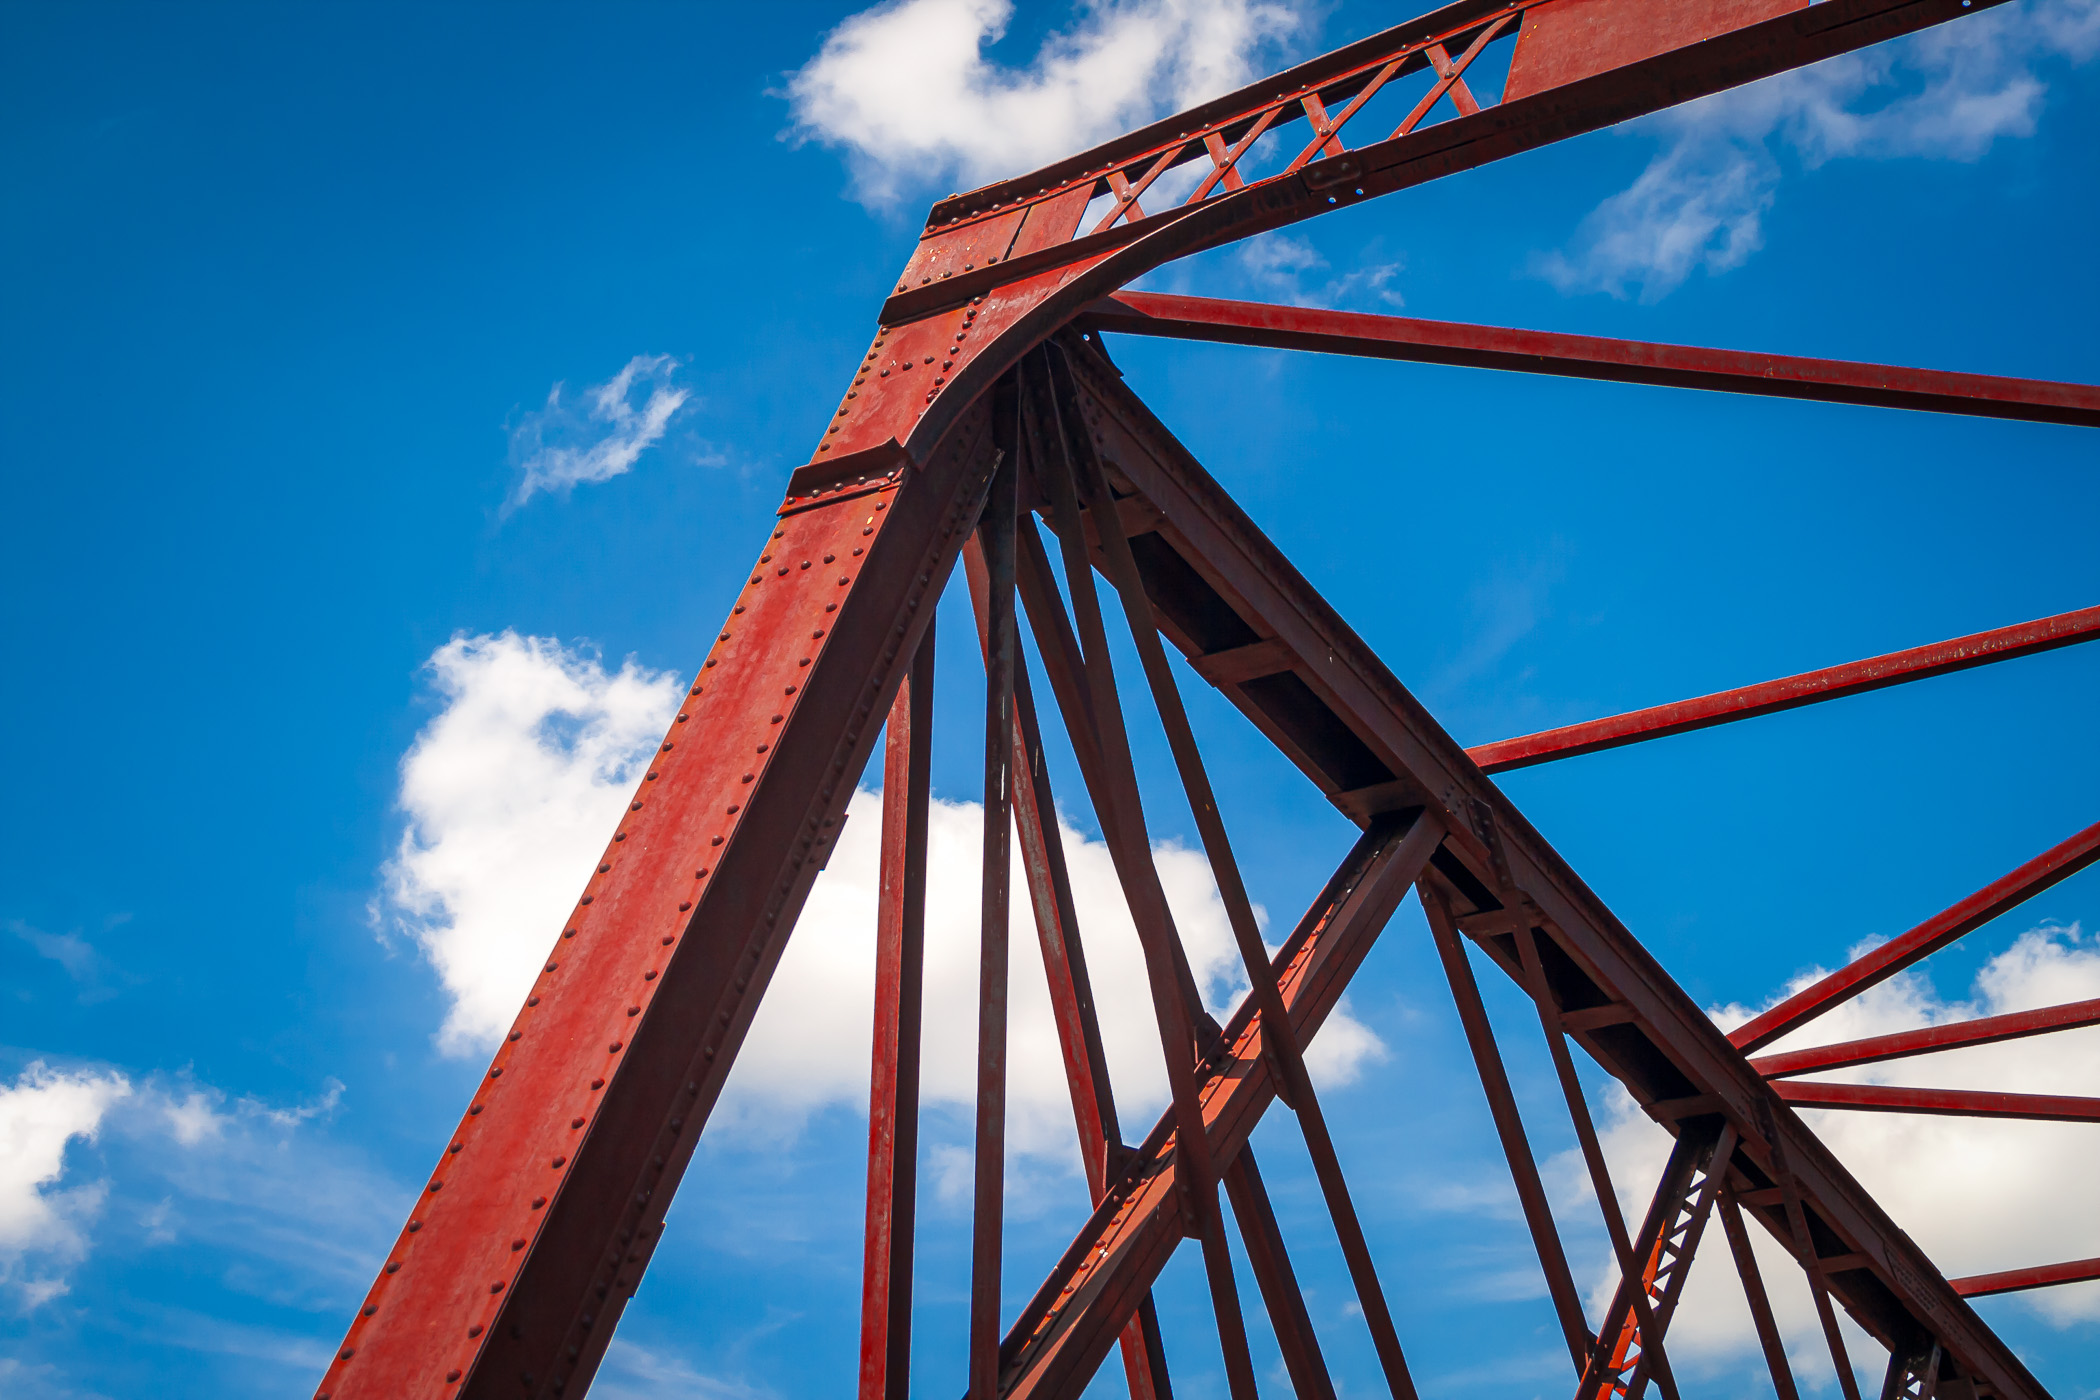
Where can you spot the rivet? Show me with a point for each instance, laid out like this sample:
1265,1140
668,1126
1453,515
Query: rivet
597,1084
578,1122
414,1225
603,867
475,1330
634,1011
652,777
532,1001
621,835
346,1353
558,1161
517,1245
393,1266
681,719
453,1375
477,1107
634,806
437,1186
614,1048
650,975
701,873
496,1287
716,841
538,1201
370,1311
587,899
682,907
669,940
517,1035
455,1147
551,966
733,807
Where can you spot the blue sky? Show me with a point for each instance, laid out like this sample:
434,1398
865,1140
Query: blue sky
390,396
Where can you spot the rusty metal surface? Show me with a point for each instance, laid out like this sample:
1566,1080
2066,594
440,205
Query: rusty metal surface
1592,357
535,1226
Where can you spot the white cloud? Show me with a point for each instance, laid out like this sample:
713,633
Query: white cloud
1280,264
91,1156
510,792
1948,93
598,436
1977,1195
41,1225
905,89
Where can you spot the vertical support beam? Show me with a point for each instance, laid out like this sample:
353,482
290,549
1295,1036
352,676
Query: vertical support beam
1509,1124
996,534
1278,1281
1676,1243
893,1100
1295,1085
1101,1145
1175,999
1754,1293
1913,1373
1600,1175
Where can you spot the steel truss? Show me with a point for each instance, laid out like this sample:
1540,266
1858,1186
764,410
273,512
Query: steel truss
985,412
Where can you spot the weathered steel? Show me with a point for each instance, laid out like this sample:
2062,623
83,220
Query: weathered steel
995,534
1592,357
533,1230
893,1097
2015,1280
1791,692
1926,1040
2060,862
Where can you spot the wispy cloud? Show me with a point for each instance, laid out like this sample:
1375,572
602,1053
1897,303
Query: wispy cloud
97,977
1949,93
1289,268
93,1153
597,435
906,91
511,789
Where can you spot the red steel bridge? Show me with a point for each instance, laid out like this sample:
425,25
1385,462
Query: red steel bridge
986,413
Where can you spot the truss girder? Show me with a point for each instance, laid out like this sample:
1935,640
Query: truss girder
1342,711
534,1228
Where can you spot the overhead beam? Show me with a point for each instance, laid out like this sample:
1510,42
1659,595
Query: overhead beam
1951,1103
1791,692
1594,357
2052,866
1985,1030
2014,1280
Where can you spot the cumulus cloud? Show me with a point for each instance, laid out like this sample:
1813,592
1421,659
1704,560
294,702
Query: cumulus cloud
510,792
42,1222
598,435
905,88
1978,1195
1948,93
